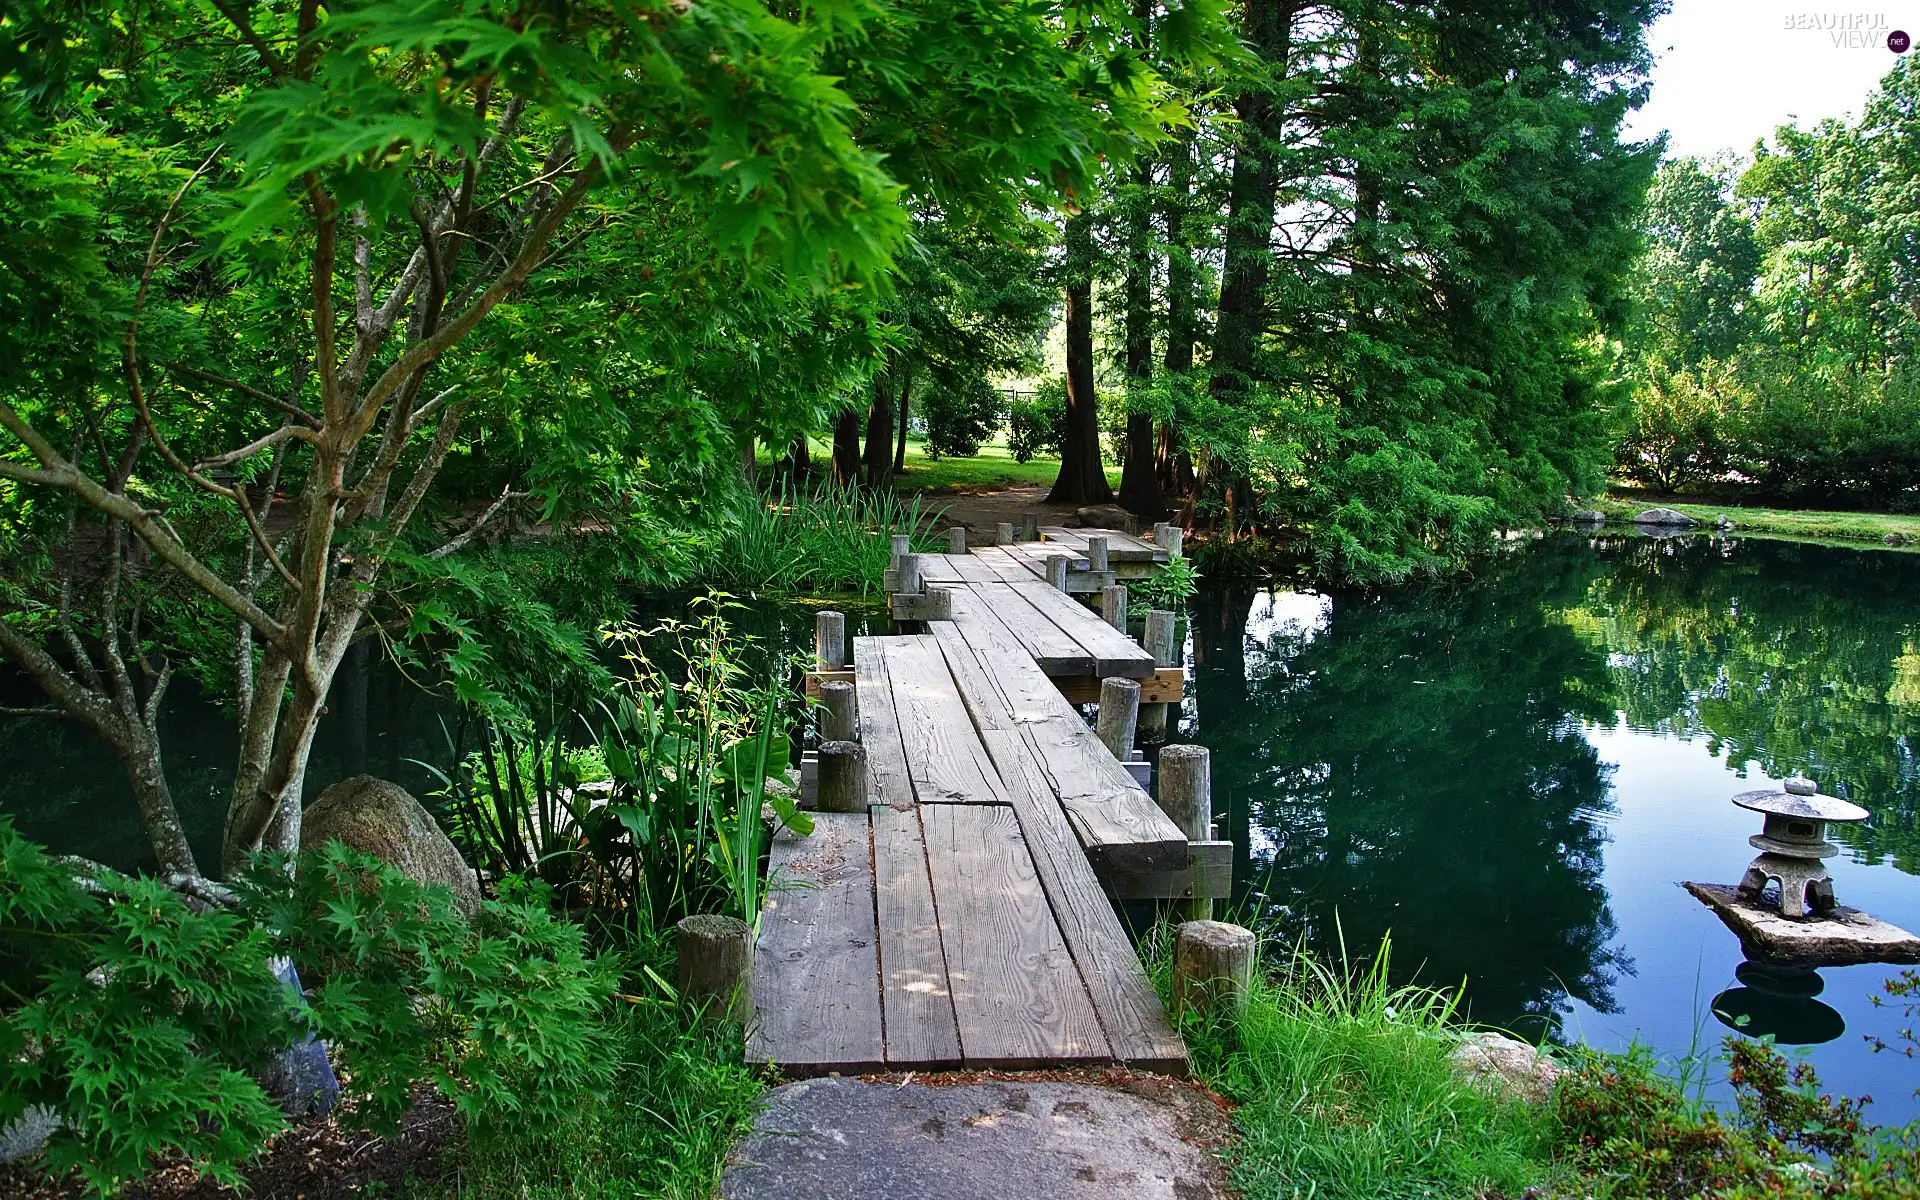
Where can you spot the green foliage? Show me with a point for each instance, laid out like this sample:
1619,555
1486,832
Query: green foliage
1035,427
1631,1131
959,418
1345,1089
1172,587
678,1098
1773,342
137,1017
655,812
813,540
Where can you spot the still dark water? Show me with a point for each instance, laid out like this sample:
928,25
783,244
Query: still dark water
1510,775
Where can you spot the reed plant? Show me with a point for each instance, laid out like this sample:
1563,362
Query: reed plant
816,539
646,805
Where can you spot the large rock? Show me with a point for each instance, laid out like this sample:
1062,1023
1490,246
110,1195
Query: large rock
853,1140
1664,518
1588,516
1108,516
384,820
1507,1066
1840,938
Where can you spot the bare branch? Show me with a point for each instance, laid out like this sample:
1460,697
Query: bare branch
429,466
256,446
291,410
432,406
45,710
59,473
238,19
479,523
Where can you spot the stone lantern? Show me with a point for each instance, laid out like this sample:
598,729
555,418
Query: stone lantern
1792,845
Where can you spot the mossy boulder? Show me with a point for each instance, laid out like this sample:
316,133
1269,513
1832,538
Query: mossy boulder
383,819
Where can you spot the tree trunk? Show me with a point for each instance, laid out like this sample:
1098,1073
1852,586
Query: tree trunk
1139,485
846,449
749,469
1082,478
879,454
1250,205
799,460
900,433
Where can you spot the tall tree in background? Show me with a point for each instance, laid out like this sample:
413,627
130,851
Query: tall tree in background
1082,478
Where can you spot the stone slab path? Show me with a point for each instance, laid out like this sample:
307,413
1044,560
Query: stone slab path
848,1139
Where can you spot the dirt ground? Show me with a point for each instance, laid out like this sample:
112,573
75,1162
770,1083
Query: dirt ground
981,511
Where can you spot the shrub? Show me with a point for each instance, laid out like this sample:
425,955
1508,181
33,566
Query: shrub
959,417
139,1018
1036,427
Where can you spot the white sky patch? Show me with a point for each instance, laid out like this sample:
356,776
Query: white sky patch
1728,72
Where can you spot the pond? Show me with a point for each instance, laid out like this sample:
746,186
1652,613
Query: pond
1508,775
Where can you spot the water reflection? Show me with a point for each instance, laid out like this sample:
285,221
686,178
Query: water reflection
1424,761
1778,1001
1414,762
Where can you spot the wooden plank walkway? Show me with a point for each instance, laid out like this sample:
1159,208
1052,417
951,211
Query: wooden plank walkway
961,920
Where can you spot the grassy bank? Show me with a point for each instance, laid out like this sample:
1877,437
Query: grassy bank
1810,525
1345,1090
992,469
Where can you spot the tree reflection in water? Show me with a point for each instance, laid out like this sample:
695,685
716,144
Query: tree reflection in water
1413,761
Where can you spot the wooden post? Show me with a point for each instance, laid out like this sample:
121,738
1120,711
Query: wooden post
1119,714
716,967
957,540
1212,969
902,546
1057,571
906,575
1113,605
1157,527
936,604
1097,553
1029,527
1186,796
1158,641
839,719
1003,533
829,641
843,777
1168,537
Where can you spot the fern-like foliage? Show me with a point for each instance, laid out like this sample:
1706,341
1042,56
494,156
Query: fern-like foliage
140,1019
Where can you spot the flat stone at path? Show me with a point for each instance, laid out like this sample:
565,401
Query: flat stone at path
845,1139
1844,937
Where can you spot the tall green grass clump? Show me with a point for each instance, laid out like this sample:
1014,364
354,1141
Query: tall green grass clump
823,538
1345,1090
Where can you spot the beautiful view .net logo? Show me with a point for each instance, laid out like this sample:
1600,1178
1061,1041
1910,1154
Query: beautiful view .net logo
1851,31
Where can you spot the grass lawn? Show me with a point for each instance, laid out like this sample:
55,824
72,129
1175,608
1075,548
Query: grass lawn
1804,524
988,471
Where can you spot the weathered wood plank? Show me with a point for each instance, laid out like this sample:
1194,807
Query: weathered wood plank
939,568
1121,547
1013,621
1167,685
880,726
974,571
1124,998
945,759
1117,823
1208,875
816,965
1018,995
915,997
1114,653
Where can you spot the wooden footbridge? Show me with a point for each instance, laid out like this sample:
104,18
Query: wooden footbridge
953,906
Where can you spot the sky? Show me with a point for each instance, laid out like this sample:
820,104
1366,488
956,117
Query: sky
1729,71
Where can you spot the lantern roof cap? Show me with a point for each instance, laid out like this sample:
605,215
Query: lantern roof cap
1798,797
